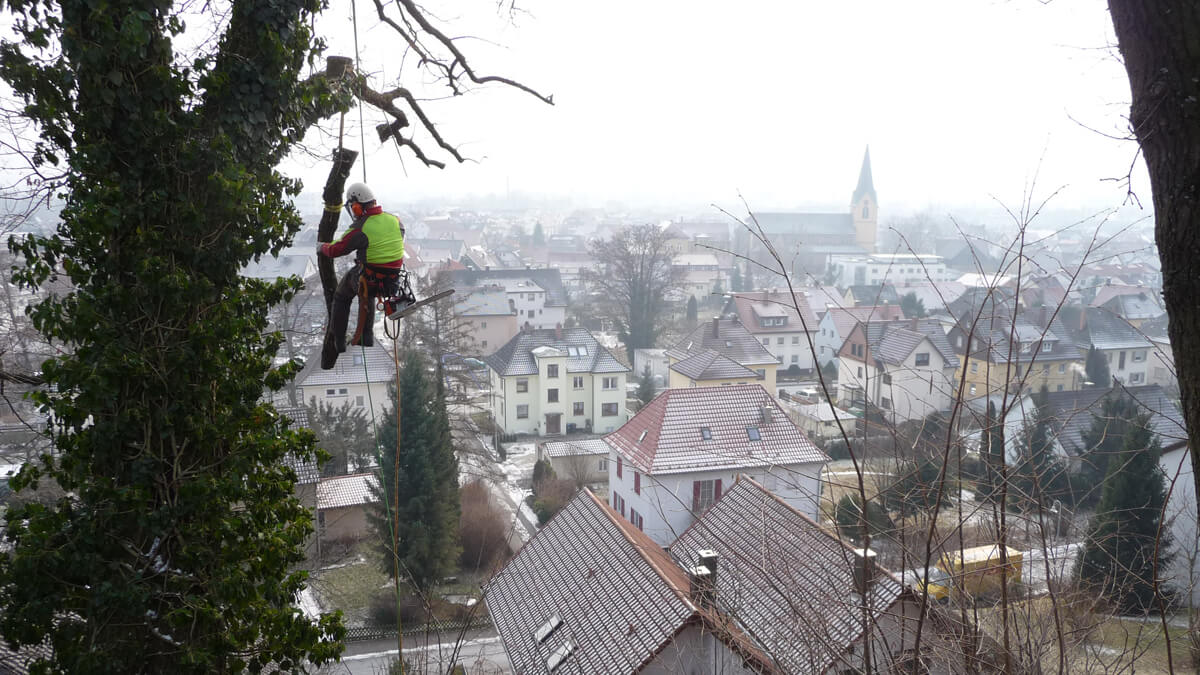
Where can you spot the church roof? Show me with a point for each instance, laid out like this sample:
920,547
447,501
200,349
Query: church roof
866,186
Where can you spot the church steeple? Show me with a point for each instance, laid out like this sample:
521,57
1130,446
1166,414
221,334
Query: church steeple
866,187
864,208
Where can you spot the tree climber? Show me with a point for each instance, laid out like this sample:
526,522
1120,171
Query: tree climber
377,239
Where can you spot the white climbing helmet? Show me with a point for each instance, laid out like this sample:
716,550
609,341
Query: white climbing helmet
358,193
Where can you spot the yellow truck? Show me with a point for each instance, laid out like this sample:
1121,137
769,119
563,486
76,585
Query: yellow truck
974,572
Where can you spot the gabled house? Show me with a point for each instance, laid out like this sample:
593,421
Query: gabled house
752,587
906,367
837,323
729,339
1135,304
589,593
1126,348
554,381
782,322
1000,352
487,316
673,458
342,504
585,462
536,296
858,295
361,377
710,368
1071,414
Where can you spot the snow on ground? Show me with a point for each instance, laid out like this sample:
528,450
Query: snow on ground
518,468
308,604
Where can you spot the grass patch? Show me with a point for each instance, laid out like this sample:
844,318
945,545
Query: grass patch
349,587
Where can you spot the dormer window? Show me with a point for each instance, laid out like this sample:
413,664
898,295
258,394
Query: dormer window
753,434
642,436
546,629
706,433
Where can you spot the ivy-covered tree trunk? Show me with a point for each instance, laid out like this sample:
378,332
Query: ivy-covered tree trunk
1160,45
174,547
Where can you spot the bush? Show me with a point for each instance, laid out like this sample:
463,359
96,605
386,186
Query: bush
382,610
553,494
482,528
542,471
837,449
847,513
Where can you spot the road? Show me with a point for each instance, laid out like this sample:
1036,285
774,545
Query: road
479,652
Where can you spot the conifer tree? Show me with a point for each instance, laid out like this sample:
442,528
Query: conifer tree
1122,554
645,390
417,507
1096,367
1039,477
991,453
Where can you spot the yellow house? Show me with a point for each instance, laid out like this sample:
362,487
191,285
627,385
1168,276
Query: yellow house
1025,356
721,352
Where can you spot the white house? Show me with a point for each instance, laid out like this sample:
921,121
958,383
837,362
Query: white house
536,296
554,381
360,377
1126,348
782,322
906,367
894,268
673,459
585,462
837,323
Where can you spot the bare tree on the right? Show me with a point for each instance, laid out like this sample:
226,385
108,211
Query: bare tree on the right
1158,43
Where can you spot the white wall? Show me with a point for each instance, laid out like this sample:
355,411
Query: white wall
792,346
505,400
1183,574
827,340
916,391
696,651
665,502
1135,373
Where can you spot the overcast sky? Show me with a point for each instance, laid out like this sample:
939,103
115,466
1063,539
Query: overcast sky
688,102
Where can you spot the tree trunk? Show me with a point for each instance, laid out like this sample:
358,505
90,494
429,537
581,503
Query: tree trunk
1160,43
343,160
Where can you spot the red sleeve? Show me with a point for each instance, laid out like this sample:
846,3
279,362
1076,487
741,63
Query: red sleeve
353,240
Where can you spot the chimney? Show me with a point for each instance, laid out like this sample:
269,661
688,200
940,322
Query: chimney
766,296
765,414
914,324
716,327
701,588
864,570
558,331
707,557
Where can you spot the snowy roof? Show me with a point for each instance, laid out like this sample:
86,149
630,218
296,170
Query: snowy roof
730,338
788,581
584,353
358,365
342,491
706,428
483,303
592,446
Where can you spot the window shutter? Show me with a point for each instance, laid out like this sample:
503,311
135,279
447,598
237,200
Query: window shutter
620,465
717,490
637,483
695,495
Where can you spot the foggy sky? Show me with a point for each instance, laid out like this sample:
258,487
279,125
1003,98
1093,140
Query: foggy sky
673,102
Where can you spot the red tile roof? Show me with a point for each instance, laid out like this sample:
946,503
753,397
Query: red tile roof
845,318
674,443
756,304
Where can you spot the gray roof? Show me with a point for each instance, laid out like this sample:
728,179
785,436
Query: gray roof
516,356
619,596
483,303
1105,330
425,247
731,340
1071,413
870,294
343,491
782,579
712,365
1134,307
893,341
306,469
673,442
548,278
592,446
350,369
797,223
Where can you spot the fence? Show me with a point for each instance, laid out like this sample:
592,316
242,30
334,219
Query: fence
364,633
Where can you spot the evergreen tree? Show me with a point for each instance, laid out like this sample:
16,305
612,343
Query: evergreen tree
344,432
1105,439
1118,558
991,451
1096,367
748,282
736,283
912,306
1039,477
539,235
693,310
421,501
645,390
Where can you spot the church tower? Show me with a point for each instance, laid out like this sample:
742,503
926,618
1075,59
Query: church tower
864,208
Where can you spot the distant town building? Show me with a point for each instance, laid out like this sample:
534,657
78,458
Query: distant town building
536,295
905,368
360,378
899,269
782,322
837,323
736,356
806,240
